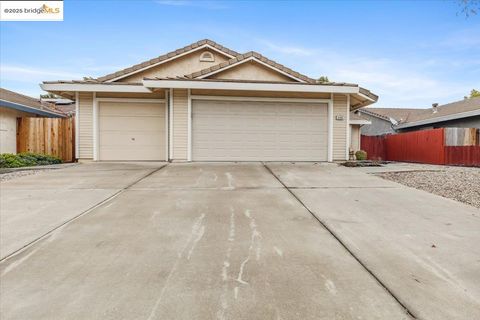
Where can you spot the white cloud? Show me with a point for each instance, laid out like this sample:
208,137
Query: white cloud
399,83
289,50
36,75
462,40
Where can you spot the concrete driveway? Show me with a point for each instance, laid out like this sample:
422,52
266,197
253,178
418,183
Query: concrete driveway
233,241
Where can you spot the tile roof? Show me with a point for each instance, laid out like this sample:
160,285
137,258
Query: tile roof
407,117
247,55
461,106
253,81
354,115
167,56
33,103
399,114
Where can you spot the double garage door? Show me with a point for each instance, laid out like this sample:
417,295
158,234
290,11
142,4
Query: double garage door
258,131
221,131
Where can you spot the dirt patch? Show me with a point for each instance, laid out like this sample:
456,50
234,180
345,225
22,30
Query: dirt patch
457,183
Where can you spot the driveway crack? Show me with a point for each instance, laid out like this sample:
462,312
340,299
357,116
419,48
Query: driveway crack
344,245
81,214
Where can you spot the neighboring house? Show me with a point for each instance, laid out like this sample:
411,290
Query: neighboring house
205,102
357,121
460,114
66,106
383,119
15,105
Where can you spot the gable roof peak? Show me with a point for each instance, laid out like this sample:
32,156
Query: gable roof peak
162,58
241,59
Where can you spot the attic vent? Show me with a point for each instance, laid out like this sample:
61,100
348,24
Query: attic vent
207,56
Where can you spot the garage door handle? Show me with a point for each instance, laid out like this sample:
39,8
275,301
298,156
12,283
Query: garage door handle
133,139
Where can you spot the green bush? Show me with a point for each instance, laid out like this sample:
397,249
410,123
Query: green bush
26,159
361,155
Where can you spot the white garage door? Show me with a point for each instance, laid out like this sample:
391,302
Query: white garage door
259,131
132,131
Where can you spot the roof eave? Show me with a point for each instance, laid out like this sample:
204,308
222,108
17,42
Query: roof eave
93,87
253,86
25,108
360,122
450,117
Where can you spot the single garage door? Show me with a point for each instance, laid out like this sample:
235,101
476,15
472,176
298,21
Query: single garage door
132,131
259,131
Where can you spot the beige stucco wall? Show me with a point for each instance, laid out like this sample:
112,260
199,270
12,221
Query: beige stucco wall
355,137
85,125
8,129
181,66
340,108
180,124
251,71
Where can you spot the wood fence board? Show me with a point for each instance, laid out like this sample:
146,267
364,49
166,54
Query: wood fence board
427,146
53,136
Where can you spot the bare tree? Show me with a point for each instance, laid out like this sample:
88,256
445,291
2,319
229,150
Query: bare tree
469,7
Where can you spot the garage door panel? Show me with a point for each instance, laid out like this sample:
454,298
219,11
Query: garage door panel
132,123
132,131
253,131
129,139
126,109
147,154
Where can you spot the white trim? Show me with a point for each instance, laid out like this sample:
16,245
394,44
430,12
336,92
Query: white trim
170,59
266,99
95,128
130,100
449,117
170,124
167,135
189,129
77,121
366,97
247,60
360,122
251,86
94,87
349,134
330,129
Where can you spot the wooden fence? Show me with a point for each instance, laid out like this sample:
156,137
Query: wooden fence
374,146
426,146
53,136
450,146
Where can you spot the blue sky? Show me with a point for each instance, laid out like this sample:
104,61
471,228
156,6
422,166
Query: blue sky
410,53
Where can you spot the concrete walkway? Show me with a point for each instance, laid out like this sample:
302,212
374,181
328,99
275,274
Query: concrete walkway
230,241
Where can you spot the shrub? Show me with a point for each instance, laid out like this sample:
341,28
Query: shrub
26,159
361,155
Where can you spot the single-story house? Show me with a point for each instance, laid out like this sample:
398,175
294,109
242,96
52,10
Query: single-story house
205,102
460,114
14,105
